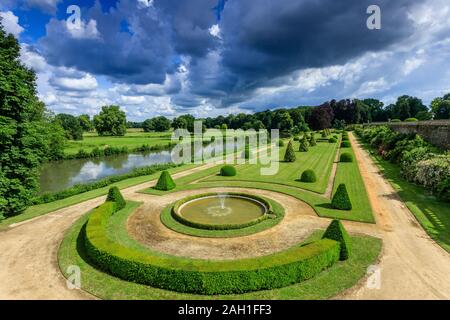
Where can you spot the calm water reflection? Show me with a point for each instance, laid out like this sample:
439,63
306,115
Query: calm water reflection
60,175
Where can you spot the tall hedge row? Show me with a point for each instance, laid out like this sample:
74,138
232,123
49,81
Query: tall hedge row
204,276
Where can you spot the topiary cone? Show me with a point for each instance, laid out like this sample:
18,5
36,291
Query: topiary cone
289,156
165,182
115,196
341,200
337,232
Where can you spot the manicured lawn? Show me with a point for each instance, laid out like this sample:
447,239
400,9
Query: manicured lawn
41,209
327,284
131,140
432,214
319,158
347,173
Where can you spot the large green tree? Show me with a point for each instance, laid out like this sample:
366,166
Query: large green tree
441,107
85,122
158,124
71,126
28,134
111,121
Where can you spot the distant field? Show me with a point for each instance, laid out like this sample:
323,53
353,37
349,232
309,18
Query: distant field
133,138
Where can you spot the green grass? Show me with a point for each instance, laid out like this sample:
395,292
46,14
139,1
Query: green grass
432,214
131,140
328,283
346,173
42,209
319,158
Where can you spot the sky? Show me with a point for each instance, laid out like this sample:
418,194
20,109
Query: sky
212,57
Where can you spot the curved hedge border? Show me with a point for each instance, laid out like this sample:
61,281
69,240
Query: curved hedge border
193,224
204,276
168,220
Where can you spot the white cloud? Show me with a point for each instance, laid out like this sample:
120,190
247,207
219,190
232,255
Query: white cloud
86,83
84,31
412,64
132,100
371,87
144,3
11,23
214,30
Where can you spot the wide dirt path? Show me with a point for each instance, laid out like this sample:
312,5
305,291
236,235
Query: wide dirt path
412,266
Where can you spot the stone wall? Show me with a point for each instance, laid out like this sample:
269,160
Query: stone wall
436,132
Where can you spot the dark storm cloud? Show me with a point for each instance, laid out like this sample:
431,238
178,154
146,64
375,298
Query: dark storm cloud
261,41
265,39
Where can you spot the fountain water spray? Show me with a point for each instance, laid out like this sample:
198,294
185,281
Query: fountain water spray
222,197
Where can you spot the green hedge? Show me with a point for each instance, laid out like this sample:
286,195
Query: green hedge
165,182
228,171
346,157
337,232
345,144
289,156
193,224
341,199
308,176
115,196
210,277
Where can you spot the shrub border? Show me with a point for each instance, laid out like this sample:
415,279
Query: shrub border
293,265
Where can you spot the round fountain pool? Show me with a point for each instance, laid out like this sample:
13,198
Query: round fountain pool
221,211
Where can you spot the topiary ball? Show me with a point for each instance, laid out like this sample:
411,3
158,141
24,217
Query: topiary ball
228,171
280,143
308,176
345,144
165,182
346,157
332,140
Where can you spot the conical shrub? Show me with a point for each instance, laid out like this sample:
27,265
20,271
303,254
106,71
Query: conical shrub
312,141
115,196
341,200
337,232
304,145
165,182
289,156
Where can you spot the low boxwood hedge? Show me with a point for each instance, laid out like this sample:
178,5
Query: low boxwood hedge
193,224
228,171
346,157
308,176
345,144
281,269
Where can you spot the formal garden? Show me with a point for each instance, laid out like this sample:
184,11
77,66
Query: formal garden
119,244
